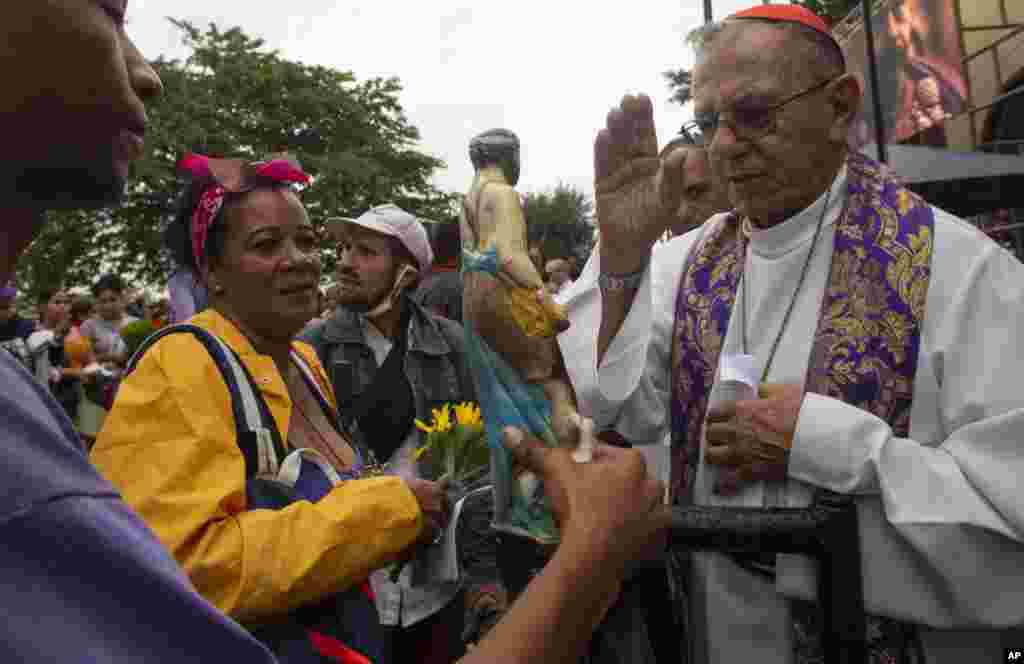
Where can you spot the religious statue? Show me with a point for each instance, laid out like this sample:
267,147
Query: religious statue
511,322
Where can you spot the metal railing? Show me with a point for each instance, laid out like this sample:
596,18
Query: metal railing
826,531
1003,147
1009,230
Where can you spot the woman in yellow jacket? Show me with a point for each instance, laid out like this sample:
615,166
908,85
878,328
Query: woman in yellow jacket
169,443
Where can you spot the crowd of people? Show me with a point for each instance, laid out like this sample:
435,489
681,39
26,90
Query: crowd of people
231,473
76,342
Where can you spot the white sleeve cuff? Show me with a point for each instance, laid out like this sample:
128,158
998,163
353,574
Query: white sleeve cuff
626,358
836,445
602,390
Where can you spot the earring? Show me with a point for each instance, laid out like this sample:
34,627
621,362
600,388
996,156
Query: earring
218,289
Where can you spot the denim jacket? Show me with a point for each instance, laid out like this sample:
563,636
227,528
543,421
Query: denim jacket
435,362
437,371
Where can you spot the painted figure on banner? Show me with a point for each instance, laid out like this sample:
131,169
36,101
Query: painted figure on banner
932,86
921,78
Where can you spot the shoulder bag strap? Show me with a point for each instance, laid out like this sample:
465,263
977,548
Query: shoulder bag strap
256,431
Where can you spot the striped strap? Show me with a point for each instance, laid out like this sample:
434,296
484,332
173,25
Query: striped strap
257,434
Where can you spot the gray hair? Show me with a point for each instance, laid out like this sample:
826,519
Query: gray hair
492,147
826,55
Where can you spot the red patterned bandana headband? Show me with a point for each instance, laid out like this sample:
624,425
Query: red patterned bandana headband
229,175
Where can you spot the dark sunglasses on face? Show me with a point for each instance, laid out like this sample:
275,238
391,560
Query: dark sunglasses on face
748,121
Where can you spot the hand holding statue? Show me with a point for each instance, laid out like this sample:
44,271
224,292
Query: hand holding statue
611,514
637,194
609,509
749,441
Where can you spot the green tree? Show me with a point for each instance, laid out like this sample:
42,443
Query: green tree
559,221
679,84
233,97
680,81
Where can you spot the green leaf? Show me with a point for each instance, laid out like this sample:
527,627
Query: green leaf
476,455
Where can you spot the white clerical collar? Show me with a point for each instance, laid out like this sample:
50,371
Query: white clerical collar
799,229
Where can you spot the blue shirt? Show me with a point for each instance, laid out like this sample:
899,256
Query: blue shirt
82,578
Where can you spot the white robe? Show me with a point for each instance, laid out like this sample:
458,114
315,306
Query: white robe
942,521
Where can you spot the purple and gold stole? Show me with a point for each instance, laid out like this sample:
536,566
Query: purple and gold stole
866,345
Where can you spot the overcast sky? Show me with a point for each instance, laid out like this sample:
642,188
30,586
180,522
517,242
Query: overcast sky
548,70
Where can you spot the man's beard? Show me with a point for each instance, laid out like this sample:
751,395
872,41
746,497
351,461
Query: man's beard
361,304
358,304
356,307
60,184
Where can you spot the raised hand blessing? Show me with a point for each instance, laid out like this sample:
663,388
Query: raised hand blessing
636,193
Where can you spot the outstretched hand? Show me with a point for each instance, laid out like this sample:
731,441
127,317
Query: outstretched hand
637,194
609,509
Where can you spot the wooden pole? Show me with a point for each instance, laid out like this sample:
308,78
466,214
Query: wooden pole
876,96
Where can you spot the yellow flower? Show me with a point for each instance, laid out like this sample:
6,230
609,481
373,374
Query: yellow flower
442,419
458,455
441,423
468,414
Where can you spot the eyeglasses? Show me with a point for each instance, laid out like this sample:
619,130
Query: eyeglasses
748,121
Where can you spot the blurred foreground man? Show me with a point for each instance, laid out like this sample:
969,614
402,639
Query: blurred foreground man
78,567
871,328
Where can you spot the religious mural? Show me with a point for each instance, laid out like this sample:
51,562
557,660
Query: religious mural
921,82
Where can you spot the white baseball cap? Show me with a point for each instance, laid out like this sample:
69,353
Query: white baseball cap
391,220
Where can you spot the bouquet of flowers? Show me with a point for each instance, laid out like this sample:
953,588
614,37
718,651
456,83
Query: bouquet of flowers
456,451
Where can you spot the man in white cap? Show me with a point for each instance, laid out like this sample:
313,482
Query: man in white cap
391,362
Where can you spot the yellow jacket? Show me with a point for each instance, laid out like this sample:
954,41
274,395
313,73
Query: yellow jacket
169,446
